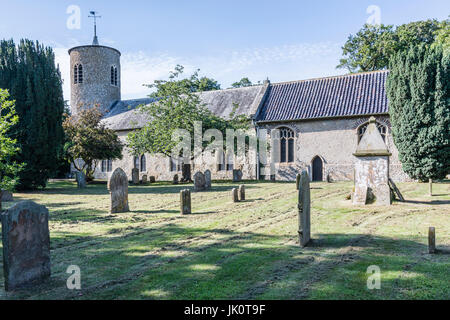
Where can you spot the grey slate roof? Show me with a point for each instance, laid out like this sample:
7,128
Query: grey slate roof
124,116
341,96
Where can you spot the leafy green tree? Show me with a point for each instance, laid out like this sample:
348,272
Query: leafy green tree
443,35
8,147
177,107
191,84
244,82
29,73
418,90
89,140
372,46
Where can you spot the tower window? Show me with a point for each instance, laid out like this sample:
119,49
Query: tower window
78,74
114,75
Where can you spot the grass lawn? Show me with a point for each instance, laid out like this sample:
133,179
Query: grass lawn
246,250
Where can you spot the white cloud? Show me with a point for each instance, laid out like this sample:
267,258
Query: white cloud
279,63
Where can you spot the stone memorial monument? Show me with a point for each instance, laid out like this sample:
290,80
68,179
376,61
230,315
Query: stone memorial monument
118,188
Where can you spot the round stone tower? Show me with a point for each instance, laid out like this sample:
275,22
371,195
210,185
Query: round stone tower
94,76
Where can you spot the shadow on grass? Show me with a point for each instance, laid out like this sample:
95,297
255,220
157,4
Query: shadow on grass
200,263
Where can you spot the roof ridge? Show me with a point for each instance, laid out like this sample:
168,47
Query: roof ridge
331,77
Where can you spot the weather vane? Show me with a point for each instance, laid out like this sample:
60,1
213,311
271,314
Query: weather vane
95,16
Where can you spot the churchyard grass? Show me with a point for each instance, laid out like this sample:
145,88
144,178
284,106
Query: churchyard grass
244,250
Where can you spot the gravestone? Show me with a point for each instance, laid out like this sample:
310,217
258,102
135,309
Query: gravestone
234,195
237,175
175,179
304,210
144,179
199,181
372,168
297,180
26,245
241,192
185,201
118,188
135,175
152,179
6,196
81,179
207,179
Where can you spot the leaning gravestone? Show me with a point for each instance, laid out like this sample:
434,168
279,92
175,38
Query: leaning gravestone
304,210
241,192
135,176
207,179
26,244
234,195
144,179
81,179
237,175
199,181
175,179
118,188
185,201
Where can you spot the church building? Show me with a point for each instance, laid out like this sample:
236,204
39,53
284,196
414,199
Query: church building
320,120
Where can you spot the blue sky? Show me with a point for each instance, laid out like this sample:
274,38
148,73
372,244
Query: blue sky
280,39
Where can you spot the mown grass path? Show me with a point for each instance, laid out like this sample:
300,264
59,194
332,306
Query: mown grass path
247,250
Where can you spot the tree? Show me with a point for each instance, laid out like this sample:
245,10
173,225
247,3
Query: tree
191,84
372,47
418,89
90,140
8,148
244,82
177,107
29,73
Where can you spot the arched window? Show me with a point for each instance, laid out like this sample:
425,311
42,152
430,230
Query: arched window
381,128
230,161
78,74
136,162
286,145
107,165
75,74
220,161
114,75
143,163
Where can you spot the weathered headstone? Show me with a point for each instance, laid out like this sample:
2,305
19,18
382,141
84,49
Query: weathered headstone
152,179
241,192
199,181
175,179
185,201
431,240
81,179
237,175
372,168
234,195
207,179
144,179
26,244
304,210
297,180
118,188
6,196
135,175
